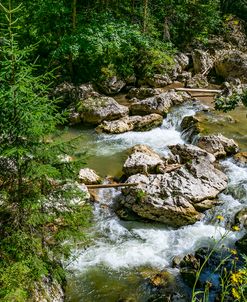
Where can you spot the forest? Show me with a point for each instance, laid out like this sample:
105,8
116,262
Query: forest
123,150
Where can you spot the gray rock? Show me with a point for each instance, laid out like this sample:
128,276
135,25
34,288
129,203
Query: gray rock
88,176
181,61
159,80
197,81
202,61
172,198
74,116
65,92
142,160
190,127
233,64
112,85
186,153
85,91
129,123
143,93
159,104
94,110
218,145
70,94
184,77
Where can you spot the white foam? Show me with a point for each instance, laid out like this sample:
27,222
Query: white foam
146,246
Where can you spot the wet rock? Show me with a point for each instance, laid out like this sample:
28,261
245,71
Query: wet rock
46,291
159,104
171,197
241,218
111,85
218,145
88,176
143,93
190,127
202,61
129,123
176,261
187,153
197,81
189,266
94,110
233,64
159,80
142,160
241,158
241,244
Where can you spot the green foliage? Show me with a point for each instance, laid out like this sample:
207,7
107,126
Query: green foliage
108,39
105,47
41,208
226,104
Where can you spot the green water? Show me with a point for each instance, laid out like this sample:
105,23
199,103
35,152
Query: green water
97,153
103,285
106,154
232,125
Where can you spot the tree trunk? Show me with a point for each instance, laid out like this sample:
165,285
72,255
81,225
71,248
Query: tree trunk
166,30
145,15
74,14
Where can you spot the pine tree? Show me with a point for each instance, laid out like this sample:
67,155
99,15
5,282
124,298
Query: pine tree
40,208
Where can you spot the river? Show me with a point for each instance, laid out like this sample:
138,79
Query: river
115,265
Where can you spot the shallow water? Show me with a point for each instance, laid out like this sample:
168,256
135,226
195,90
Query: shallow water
111,268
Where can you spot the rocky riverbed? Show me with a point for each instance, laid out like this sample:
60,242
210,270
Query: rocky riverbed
189,164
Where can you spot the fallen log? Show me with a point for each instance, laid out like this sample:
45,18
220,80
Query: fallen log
201,95
105,186
198,90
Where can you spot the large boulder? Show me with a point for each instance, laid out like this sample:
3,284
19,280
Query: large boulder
186,153
218,145
111,85
142,160
232,64
202,61
181,63
129,123
159,104
94,110
175,198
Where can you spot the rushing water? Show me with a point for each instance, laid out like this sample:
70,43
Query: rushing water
114,266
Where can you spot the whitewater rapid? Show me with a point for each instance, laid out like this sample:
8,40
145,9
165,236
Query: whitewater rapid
121,245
